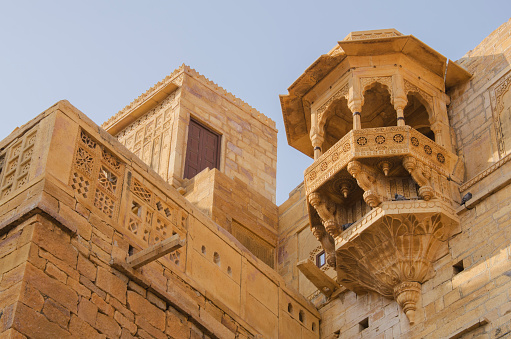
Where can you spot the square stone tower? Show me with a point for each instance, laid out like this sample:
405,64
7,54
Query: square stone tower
216,149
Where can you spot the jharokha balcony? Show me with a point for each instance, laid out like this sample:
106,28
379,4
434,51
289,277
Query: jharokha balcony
383,207
384,184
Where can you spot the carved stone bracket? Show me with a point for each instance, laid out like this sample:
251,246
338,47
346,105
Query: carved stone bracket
327,242
326,210
366,179
422,175
393,253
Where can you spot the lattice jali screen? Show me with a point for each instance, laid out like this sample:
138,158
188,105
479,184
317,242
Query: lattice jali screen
16,163
152,219
97,176
150,136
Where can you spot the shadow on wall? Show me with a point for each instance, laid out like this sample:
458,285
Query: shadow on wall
477,109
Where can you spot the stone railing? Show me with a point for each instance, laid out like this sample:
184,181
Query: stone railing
378,142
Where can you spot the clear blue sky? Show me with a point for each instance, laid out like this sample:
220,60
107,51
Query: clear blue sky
100,55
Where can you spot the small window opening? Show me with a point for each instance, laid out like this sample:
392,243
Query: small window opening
301,316
131,250
313,327
203,249
321,259
136,208
458,267
216,258
363,324
159,205
290,308
229,270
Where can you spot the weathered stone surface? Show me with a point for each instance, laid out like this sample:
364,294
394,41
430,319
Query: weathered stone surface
86,268
107,325
56,313
111,284
87,311
35,325
79,328
143,308
177,326
56,242
31,297
51,287
125,322
145,325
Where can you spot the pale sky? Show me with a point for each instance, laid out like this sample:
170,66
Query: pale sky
100,55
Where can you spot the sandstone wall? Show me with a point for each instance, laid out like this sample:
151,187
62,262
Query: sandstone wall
83,207
297,243
478,107
239,209
248,138
469,294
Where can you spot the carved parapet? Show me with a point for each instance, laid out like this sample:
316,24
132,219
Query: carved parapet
366,179
384,142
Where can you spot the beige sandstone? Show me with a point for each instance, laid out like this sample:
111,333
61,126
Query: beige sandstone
381,114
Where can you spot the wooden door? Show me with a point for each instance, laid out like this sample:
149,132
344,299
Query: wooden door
202,149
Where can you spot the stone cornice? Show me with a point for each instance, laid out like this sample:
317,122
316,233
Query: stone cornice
229,96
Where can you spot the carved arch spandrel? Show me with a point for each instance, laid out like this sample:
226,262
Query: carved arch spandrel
324,111
425,98
367,82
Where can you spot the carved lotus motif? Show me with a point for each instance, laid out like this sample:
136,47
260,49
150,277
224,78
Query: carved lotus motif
389,249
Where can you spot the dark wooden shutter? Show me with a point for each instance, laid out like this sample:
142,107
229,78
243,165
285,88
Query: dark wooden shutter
202,149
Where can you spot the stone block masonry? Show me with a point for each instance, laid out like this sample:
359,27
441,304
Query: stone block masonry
83,207
155,128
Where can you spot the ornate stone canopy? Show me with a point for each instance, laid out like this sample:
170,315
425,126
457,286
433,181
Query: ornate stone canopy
403,66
